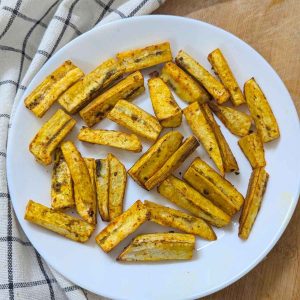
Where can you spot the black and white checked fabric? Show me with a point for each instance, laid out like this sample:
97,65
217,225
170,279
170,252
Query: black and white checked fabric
31,31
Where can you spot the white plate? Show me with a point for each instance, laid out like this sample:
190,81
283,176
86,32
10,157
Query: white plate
215,264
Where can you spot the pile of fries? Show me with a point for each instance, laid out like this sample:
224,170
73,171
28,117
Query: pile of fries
98,185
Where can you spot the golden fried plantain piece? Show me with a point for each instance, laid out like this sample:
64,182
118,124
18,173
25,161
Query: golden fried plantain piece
177,158
236,121
196,118
117,186
81,206
159,247
85,198
128,89
54,85
261,112
59,222
155,157
164,105
167,216
135,119
256,189
253,148
90,86
210,83
102,187
111,138
50,135
229,161
141,58
183,195
61,184
222,69
91,166
183,84
213,186
117,230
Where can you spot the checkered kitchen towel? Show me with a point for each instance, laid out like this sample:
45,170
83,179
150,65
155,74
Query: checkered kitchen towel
31,31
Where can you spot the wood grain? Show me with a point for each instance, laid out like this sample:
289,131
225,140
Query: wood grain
273,29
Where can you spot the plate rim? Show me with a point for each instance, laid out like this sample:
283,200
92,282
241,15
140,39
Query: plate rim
295,198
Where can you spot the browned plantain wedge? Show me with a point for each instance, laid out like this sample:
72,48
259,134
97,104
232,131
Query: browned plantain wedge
253,148
261,112
62,195
83,185
141,58
164,105
155,157
177,158
117,186
80,203
128,89
102,187
135,119
196,118
177,219
117,230
111,138
183,84
229,161
256,189
222,69
59,222
50,135
213,186
211,84
183,195
236,121
158,247
83,91
49,90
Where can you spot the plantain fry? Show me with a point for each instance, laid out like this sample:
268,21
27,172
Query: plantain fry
222,69
91,166
141,58
135,119
117,186
213,186
183,84
158,247
89,87
229,161
85,198
183,195
196,118
50,135
236,121
81,206
54,85
155,157
256,189
253,148
176,159
166,216
210,83
261,112
111,138
164,105
61,184
128,89
59,222
102,187
117,230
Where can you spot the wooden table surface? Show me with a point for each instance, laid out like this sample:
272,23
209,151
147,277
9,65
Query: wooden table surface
273,29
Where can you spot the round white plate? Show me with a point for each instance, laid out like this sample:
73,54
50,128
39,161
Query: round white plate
215,264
